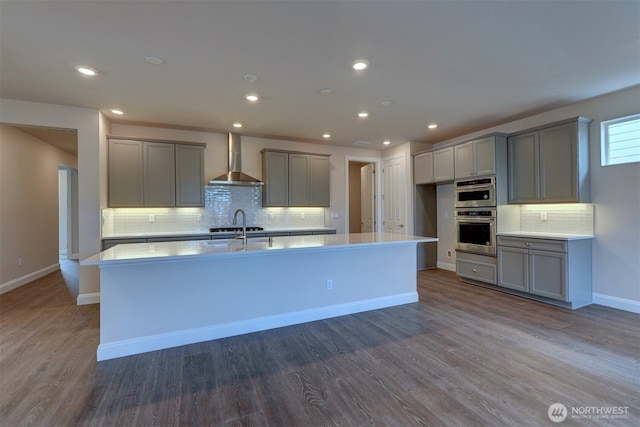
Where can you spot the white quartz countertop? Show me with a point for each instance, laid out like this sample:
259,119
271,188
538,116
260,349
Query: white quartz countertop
172,251
545,235
205,232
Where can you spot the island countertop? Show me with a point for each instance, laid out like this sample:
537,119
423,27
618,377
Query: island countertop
172,251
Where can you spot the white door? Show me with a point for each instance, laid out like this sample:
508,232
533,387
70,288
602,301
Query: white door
395,195
367,205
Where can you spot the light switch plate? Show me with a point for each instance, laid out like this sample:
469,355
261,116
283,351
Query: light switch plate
335,215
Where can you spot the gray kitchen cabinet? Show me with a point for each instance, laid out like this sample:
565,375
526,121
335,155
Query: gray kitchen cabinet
125,173
550,164
443,165
476,157
109,243
553,269
479,268
423,168
155,173
295,179
189,175
434,166
159,179
275,173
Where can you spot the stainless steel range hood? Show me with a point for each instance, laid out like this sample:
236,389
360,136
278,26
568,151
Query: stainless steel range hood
235,175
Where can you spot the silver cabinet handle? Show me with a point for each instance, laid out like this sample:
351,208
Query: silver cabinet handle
475,270
402,225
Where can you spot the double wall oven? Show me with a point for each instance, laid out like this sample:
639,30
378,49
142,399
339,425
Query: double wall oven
475,219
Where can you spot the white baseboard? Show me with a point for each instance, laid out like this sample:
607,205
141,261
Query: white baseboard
85,299
74,256
16,283
446,266
173,339
615,302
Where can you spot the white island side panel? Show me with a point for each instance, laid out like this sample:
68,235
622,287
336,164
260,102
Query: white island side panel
150,306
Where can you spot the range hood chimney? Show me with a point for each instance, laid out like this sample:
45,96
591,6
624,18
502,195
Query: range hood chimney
235,175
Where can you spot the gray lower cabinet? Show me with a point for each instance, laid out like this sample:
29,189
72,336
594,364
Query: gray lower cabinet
550,164
109,243
555,269
295,179
480,268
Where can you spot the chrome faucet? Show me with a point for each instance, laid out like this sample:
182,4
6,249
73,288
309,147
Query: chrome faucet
244,223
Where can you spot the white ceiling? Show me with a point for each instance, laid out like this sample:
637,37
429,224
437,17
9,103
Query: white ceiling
466,65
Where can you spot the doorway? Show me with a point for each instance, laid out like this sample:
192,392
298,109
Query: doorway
362,185
68,213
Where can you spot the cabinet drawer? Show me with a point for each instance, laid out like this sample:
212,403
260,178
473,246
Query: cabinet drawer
533,243
477,271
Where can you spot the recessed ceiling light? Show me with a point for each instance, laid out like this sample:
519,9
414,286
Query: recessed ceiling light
432,126
118,112
154,60
87,71
387,142
237,125
385,103
252,98
363,114
326,135
326,91
250,78
360,65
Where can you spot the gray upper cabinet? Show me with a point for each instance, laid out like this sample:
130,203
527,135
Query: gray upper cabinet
295,179
434,166
423,168
159,174
125,174
275,173
475,158
550,164
189,175
155,174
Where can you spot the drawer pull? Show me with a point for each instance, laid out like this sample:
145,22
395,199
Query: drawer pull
475,270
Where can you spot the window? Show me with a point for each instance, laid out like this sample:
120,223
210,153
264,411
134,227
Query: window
621,140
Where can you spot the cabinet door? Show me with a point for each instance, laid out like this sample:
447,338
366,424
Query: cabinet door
159,174
443,168
523,168
558,164
125,174
299,191
423,168
484,152
319,176
189,175
547,274
463,160
513,268
275,172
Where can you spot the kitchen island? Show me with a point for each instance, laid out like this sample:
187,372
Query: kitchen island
161,295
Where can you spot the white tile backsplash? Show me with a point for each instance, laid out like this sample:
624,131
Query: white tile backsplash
221,201
574,218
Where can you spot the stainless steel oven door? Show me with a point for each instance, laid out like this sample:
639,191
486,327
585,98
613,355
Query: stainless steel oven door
476,235
475,197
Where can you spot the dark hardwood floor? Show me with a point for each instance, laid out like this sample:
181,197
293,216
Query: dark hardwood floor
463,355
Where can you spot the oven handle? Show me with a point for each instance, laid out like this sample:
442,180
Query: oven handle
475,187
489,219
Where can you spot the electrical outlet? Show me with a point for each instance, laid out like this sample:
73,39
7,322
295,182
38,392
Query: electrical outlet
335,215
329,284
152,217
199,217
302,215
449,254
543,216
19,262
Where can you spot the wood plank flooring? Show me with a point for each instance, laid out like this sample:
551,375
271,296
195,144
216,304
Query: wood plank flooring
462,356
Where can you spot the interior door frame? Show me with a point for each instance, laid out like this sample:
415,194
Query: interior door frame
378,182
